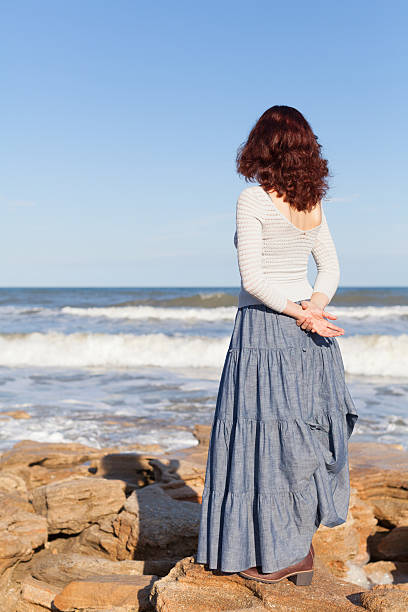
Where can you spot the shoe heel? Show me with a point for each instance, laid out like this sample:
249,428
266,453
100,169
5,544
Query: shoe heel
303,579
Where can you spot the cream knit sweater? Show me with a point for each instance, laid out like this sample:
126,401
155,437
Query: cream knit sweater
273,254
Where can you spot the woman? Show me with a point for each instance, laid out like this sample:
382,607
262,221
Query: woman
277,464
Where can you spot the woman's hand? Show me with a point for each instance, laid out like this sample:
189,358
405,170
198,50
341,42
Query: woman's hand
314,319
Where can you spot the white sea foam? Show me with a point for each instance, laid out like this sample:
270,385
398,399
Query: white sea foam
110,350
222,312
154,312
377,355
369,312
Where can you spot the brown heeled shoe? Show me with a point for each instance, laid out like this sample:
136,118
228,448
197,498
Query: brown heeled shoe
302,572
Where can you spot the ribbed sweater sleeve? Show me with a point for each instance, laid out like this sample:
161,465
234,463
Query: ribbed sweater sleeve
249,217
327,263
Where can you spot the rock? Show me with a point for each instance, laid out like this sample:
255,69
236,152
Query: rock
61,569
47,454
101,539
106,592
152,523
181,474
38,463
386,572
39,476
9,591
364,523
134,468
13,502
202,433
82,495
16,414
379,473
20,534
38,592
386,598
12,483
151,526
344,547
72,505
394,545
189,587
374,540
141,448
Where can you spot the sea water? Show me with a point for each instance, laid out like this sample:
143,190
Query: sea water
121,366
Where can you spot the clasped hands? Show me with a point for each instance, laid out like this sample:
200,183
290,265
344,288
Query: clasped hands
314,319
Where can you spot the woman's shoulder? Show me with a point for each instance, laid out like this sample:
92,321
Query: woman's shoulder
253,198
254,192
250,203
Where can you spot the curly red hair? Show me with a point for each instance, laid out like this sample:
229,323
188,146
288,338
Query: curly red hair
282,154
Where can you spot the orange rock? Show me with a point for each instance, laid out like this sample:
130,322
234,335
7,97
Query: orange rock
386,572
102,592
72,505
386,598
189,587
20,534
395,544
38,592
379,473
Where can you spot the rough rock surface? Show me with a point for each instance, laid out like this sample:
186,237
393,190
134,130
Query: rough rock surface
189,587
379,473
20,534
100,538
152,523
394,545
47,454
37,593
386,572
12,483
386,598
72,505
61,569
106,592
345,546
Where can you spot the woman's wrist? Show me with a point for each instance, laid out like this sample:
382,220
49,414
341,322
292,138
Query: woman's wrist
319,299
294,310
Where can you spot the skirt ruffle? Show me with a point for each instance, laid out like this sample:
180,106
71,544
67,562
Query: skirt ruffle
277,463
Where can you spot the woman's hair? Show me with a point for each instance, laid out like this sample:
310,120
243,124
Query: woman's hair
282,153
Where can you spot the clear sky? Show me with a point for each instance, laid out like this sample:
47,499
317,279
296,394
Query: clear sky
121,120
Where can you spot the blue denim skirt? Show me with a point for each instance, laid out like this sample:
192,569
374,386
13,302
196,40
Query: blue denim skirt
277,463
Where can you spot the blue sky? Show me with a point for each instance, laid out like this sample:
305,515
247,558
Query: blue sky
121,121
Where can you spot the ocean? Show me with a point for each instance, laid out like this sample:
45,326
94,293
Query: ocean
121,366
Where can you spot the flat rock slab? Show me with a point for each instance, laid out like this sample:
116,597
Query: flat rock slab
72,505
38,592
106,592
47,454
189,587
386,598
378,456
61,569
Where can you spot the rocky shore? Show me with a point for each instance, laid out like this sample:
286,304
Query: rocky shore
115,529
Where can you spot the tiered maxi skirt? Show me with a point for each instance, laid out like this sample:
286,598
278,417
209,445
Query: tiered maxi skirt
277,463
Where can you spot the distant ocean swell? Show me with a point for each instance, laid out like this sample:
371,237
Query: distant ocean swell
366,355
221,313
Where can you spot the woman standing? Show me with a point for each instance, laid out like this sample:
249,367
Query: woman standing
277,464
